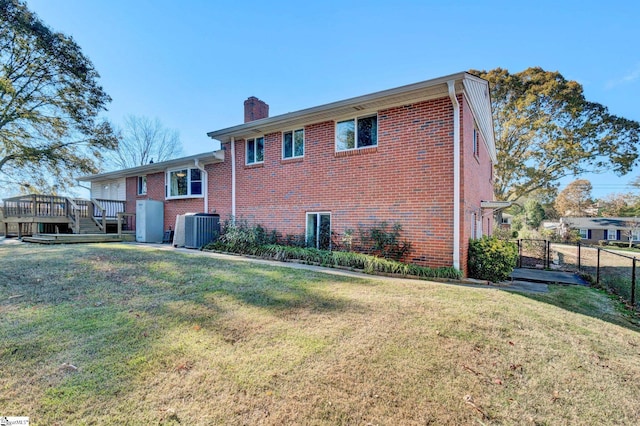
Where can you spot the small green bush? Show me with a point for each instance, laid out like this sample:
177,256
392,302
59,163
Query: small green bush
381,241
492,259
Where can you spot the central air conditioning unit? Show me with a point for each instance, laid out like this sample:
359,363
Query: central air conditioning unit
200,229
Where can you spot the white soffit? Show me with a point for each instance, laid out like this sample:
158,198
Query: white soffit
362,105
477,91
204,158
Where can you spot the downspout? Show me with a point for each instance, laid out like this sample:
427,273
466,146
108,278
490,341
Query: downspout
205,182
233,179
456,173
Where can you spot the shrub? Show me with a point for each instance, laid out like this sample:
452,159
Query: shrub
381,241
239,237
368,263
492,259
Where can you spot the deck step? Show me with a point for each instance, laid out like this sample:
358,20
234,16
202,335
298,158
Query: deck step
73,238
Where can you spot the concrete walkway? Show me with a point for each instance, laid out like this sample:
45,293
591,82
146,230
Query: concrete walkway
547,277
519,286
515,285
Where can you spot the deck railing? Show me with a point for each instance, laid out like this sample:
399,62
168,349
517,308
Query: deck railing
108,208
37,206
73,210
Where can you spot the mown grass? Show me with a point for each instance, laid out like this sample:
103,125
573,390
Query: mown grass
99,334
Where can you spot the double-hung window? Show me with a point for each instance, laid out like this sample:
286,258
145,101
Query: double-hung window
584,234
612,234
357,133
184,183
142,185
293,144
255,150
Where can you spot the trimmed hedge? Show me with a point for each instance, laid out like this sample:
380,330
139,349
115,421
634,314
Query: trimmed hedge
369,264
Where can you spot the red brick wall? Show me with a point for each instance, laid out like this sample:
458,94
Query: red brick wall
407,178
156,191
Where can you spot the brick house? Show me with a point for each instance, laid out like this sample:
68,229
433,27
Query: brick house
419,155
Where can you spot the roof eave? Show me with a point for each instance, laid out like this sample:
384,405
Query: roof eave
203,158
354,106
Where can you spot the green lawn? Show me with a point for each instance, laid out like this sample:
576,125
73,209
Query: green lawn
119,333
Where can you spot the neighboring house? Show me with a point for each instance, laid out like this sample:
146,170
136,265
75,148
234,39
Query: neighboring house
594,229
506,221
420,155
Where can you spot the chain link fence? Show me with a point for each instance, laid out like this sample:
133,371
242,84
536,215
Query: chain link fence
613,269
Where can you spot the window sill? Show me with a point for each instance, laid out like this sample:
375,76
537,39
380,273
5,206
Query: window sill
254,166
184,197
358,151
292,160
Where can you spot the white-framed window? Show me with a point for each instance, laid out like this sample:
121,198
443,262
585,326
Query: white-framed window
584,234
255,150
635,235
356,133
318,233
612,234
142,185
186,182
293,144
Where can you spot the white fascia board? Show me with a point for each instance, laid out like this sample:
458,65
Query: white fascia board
354,106
204,158
495,204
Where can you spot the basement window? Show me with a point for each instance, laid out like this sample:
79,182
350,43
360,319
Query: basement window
318,233
357,133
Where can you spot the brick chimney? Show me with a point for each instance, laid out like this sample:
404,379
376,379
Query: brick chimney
255,109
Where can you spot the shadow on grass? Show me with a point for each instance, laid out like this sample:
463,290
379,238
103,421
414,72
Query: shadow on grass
106,309
591,302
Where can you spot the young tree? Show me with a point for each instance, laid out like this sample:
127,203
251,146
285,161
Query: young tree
546,130
575,199
533,213
145,140
632,226
50,103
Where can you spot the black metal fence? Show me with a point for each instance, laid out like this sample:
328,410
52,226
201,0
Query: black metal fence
613,269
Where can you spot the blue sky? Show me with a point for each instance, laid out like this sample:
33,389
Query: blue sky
192,63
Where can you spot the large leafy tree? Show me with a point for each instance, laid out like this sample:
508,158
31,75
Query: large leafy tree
145,140
575,199
546,129
50,101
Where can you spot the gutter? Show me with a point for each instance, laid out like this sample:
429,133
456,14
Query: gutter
456,173
233,179
205,181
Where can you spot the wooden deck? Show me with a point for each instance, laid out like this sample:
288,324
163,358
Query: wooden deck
78,238
38,214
